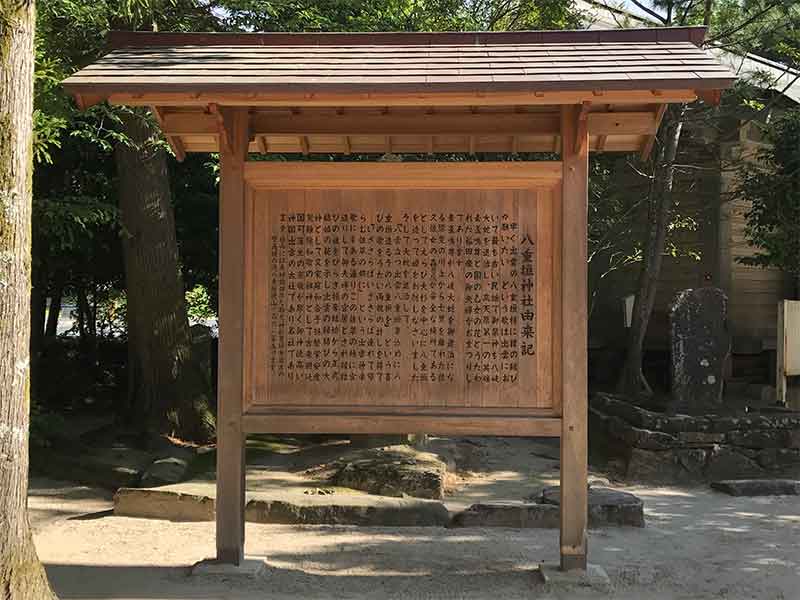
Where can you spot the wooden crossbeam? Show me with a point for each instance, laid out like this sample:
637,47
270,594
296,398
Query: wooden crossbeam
510,124
256,99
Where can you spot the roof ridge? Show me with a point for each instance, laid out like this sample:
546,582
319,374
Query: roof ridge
132,39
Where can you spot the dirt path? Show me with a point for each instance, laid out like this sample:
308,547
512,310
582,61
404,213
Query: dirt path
697,545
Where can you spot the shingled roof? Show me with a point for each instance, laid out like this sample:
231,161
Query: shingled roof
405,62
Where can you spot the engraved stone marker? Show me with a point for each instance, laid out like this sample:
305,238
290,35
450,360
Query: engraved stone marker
701,344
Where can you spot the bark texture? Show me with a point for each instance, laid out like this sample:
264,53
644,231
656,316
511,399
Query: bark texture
632,382
166,386
21,574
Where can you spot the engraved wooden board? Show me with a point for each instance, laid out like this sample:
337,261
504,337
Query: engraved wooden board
402,301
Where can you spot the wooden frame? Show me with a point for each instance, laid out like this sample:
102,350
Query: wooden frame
564,307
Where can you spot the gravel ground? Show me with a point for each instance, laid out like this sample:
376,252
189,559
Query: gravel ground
698,544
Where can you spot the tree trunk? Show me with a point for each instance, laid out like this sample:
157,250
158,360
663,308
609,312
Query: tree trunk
166,385
632,381
21,574
51,327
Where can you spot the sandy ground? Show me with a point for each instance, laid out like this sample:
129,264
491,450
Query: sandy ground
697,544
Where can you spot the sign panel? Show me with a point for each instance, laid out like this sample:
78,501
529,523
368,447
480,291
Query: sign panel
409,301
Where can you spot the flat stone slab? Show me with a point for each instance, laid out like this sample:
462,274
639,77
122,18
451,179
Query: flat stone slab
593,578
288,508
758,487
364,510
517,515
607,507
163,504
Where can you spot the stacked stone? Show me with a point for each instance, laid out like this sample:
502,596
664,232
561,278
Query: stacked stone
664,447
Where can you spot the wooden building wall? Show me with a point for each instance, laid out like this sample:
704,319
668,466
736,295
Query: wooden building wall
753,292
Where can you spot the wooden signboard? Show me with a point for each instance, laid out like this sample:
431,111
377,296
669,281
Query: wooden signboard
402,297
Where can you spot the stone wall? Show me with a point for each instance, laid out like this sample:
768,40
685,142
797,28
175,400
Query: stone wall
680,448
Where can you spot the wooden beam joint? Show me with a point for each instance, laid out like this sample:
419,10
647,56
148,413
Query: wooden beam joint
650,140
223,127
582,128
174,141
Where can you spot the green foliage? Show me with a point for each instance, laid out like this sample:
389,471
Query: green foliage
772,184
396,15
112,313
198,304
769,28
614,215
45,426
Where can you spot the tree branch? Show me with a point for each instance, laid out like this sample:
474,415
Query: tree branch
650,12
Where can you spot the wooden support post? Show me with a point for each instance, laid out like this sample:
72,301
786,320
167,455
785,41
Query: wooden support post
231,384
575,189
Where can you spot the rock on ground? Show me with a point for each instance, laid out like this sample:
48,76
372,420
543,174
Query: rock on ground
392,471
607,507
517,515
758,487
163,504
349,510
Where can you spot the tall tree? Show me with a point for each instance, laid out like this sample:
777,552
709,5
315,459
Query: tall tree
167,387
21,573
659,206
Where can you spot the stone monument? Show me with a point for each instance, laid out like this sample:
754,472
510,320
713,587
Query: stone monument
700,344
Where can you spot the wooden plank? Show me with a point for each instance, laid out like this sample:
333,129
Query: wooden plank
367,98
391,424
231,371
622,123
344,407
466,124
412,144
323,175
791,320
182,123
574,338
780,357
315,74
250,64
